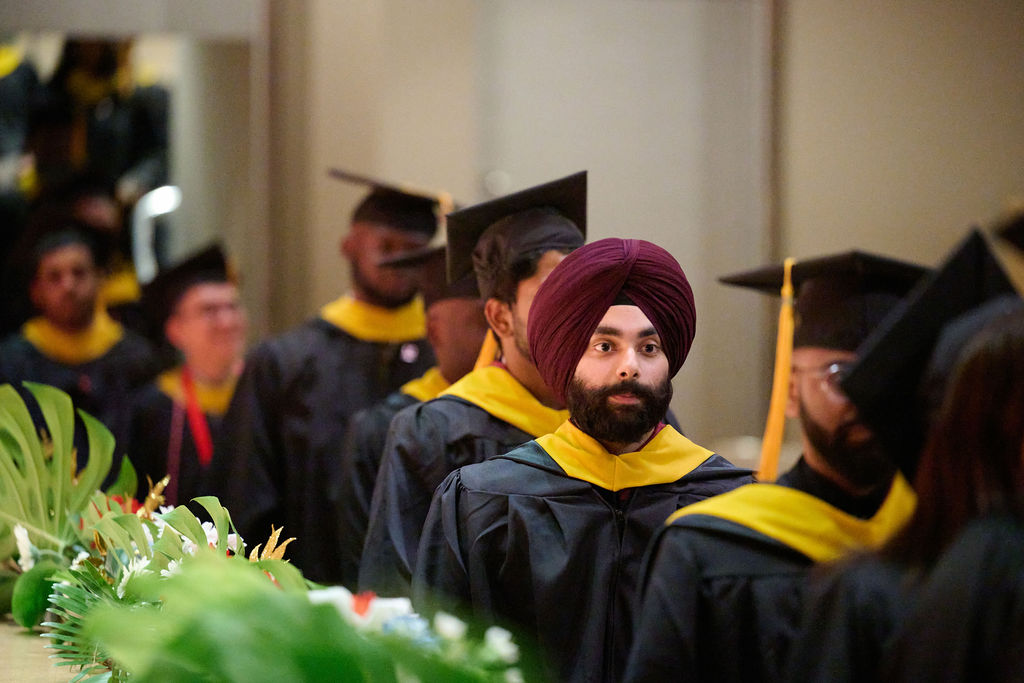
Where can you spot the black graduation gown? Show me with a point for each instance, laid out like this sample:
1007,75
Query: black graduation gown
101,387
283,432
151,427
850,616
722,601
555,558
425,443
353,490
967,623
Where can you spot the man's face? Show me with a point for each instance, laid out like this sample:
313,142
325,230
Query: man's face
365,246
455,330
621,388
830,422
65,286
209,324
525,293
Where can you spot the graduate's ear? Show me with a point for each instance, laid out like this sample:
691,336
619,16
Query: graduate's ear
351,242
499,317
793,399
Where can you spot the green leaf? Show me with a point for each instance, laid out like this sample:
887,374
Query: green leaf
101,450
30,598
182,520
127,483
222,521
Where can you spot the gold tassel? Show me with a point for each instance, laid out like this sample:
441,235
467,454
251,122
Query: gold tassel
775,425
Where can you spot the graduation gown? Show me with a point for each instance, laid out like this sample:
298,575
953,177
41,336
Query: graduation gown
163,438
723,587
486,413
967,623
360,460
99,368
282,436
548,540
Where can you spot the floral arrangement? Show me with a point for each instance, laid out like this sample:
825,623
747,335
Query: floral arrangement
137,591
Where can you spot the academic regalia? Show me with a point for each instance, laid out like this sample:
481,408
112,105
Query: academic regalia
99,368
288,418
967,623
352,493
484,414
723,587
548,539
167,438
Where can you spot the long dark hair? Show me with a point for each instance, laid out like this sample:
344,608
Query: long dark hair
973,462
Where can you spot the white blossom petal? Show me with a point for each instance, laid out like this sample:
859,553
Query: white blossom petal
449,627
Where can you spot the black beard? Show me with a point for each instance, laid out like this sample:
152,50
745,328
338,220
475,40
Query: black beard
375,295
863,465
617,424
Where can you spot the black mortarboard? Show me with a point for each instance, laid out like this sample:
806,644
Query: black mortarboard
886,382
430,265
162,293
1011,229
490,237
398,206
839,299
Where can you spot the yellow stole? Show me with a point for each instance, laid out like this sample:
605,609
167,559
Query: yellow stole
376,324
73,348
10,58
495,390
668,457
805,523
120,287
213,399
426,387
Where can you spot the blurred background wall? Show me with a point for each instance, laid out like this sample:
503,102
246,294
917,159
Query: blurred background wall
732,132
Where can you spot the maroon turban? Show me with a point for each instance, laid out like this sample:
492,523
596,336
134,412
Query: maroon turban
580,290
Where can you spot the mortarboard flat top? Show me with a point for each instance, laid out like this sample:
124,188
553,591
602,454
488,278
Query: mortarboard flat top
876,271
400,205
429,263
566,196
885,382
840,298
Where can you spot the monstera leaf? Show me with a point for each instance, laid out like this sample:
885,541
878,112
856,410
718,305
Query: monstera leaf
40,486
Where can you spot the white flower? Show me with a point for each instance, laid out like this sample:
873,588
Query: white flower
173,567
377,612
136,567
188,547
499,641
79,559
25,559
514,676
449,627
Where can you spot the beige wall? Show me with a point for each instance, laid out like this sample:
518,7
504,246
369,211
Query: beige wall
900,122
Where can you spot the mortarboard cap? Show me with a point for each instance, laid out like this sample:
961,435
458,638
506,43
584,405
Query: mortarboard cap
839,299
399,206
886,382
490,237
430,265
163,292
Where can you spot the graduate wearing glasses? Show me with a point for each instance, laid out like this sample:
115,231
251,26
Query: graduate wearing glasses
723,584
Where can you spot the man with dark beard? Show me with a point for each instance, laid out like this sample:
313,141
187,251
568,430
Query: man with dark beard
279,446
724,584
548,538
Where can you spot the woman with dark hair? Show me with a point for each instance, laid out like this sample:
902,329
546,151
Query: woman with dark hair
866,619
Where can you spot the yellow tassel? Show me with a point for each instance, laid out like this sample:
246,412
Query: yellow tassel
775,425
488,351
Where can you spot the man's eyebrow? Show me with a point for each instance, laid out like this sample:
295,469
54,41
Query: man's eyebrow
616,332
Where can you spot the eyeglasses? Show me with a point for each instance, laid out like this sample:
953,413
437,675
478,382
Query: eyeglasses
830,376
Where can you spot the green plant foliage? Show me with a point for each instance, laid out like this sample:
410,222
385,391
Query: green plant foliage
30,597
84,589
39,487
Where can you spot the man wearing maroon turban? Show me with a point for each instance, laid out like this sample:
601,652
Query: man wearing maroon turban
549,537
